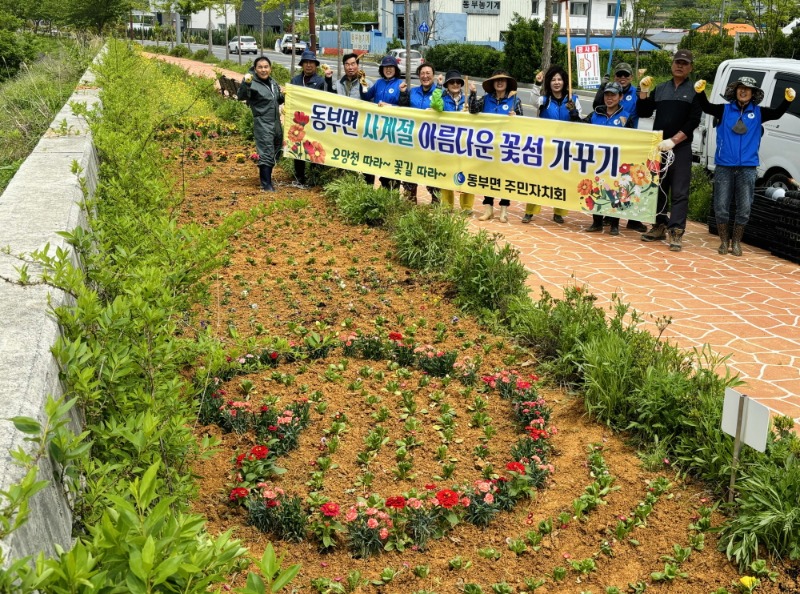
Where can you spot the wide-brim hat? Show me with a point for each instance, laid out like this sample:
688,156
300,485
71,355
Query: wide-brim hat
308,56
488,84
744,81
453,75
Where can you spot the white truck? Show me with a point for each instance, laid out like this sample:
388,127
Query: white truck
780,144
290,43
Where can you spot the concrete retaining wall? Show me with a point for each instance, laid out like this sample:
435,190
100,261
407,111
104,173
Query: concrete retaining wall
43,198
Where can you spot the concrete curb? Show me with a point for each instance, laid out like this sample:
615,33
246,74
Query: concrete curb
43,198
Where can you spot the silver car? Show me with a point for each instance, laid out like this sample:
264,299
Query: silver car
243,45
400,56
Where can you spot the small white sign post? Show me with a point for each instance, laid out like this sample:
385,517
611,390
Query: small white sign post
588,60
746,421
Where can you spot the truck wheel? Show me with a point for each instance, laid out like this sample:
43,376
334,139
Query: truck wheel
779,180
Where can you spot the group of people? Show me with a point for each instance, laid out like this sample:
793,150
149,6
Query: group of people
677,103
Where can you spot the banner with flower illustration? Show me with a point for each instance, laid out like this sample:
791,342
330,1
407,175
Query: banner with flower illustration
576,166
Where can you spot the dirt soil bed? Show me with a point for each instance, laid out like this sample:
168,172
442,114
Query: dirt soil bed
301,265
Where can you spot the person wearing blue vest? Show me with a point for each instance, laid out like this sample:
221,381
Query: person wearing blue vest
613,115
455,99
623,75
309,79
420,98
501,99
384,91
554,104
736,158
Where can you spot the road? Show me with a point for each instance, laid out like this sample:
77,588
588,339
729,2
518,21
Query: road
525,93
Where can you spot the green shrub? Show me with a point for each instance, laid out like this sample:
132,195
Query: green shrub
487,276
701,194
180,51
15,49
203,55
360,204
475,60
427,238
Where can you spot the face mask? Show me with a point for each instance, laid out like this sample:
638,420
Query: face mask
740,128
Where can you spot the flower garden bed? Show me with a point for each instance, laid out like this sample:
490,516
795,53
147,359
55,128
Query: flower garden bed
367,430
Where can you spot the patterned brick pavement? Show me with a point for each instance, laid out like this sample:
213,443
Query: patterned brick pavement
747,307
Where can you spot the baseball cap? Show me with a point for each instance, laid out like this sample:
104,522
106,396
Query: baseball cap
683,54
613,87
624,67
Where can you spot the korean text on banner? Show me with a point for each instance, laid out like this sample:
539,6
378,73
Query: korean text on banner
588,60
569,165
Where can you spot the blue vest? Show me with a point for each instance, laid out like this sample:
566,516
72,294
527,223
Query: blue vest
600,118
450,104
387,91
421,99
554,109
738,150
503,106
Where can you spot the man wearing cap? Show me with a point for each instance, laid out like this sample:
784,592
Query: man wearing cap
309,78
736,158
678,112
613,115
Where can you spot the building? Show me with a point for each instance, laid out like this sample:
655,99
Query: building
485,22
731,29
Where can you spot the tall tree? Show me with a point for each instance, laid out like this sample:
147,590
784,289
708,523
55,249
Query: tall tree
95,15
769,17
523,48
644,13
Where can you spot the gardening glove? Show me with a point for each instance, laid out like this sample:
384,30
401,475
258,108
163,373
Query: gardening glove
666,145
362,78
327,71
248,78
789,94
700,86
645,84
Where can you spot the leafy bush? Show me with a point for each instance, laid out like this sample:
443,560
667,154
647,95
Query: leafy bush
180,51
523,49
203,55
701,194
15,49
487,276
427,238
475,60
362,205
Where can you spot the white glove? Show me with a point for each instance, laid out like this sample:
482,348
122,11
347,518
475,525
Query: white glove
789,94
700,86
645,84
541,101
666,145
248,78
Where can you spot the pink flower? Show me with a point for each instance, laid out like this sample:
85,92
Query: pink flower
488,498
372,523
414,503
465,502
384,534
371,511
351,514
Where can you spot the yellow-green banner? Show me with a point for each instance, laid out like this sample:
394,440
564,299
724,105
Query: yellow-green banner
577,166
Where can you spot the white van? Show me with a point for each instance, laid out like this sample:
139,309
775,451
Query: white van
780,144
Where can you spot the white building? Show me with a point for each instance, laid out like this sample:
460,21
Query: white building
486,21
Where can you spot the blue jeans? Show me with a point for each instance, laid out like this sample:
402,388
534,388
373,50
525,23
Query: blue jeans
733,183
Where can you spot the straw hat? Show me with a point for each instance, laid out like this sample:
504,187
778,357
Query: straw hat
488,84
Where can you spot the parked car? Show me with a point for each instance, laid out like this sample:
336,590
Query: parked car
780,144
289,43
400,56
243,45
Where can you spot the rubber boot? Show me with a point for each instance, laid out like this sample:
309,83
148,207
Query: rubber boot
265,176
736,246
724,238
466,201
530,210
503,214
448,198
488,212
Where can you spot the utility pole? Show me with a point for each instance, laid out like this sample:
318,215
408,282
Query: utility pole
407,31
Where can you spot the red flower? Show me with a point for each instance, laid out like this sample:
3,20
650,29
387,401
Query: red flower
654,166
329,509
536,433
301,118
589,203
273,355
625,168
315,151
430,487
398,502
260,452
396,336
515,467
239,460
447,498
238,493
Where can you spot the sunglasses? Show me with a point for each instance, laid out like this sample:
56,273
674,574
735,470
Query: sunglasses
622,74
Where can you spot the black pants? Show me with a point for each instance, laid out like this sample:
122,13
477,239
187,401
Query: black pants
300,170
675,185
490,200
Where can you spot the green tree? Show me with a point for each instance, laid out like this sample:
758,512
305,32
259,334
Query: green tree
769,17
683,18
95,15
523,49
644,16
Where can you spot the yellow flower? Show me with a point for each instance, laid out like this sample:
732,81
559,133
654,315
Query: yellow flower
749,582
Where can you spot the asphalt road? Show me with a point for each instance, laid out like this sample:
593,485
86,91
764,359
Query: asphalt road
525,93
